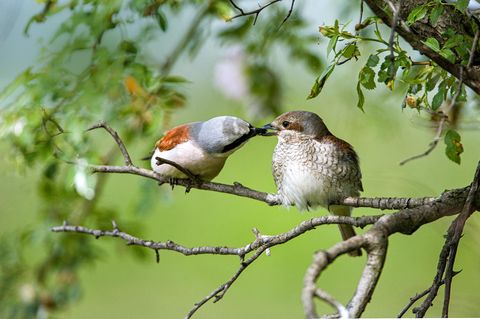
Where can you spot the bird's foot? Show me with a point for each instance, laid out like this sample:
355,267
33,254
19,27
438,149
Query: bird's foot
173,181
193,180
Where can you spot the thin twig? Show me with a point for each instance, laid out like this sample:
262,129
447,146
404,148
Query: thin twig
182,169
116,137
256,12
237,7
292,3
360,19
433,143
396,12
218,293
457,229
447,255
417,297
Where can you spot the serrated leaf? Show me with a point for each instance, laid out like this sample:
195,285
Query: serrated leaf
361,97
373,60
320,82
416,14
433,44
367,78
436,13
454,146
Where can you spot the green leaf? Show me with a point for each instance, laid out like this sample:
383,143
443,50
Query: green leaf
175,79
367,78
432,82
438,99
331,44
373,60
454,41
433,44
361,97
162,20
320,82
454,146
416,14
350,51
448,54
461,5
436,13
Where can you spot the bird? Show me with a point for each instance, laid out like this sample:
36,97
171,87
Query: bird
201,148
312,167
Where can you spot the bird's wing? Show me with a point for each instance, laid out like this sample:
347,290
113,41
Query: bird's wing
172,138
278,163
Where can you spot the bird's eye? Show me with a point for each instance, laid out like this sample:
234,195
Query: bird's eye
285,124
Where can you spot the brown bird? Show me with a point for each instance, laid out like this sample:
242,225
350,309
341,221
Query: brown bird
312,167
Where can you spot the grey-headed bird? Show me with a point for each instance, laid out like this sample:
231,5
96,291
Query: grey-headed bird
312,167
201,147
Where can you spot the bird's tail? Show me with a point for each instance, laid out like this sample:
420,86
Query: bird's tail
148,157
346,230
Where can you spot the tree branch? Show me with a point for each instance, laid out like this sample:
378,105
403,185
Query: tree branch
413,213
341,309
422,29
375,242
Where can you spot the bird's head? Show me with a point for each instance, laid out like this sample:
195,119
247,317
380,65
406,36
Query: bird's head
303,122
223,135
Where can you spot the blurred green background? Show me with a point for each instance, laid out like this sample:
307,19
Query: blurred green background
119,284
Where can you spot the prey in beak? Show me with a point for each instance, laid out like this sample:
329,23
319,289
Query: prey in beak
266,128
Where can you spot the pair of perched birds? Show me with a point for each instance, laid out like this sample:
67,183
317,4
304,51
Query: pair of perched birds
311,166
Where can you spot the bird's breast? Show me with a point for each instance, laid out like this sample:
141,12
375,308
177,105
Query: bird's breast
309,173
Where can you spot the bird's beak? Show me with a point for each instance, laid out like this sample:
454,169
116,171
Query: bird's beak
267,127
259,131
